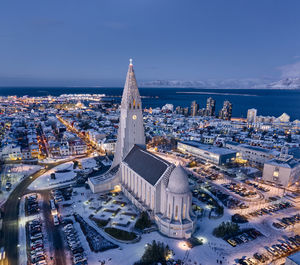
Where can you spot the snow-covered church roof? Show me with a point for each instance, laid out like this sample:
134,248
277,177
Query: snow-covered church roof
178,181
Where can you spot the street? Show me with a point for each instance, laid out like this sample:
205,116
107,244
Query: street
52,231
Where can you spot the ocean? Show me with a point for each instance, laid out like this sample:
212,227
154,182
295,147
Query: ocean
268,102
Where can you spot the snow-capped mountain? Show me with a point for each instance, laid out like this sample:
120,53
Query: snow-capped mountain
223,84
287,83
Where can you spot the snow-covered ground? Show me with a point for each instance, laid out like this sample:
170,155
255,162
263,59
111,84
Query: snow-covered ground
45,181
15,173
88,162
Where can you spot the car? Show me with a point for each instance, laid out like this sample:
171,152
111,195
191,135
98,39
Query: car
244,262
279,250
81,263
77,250
55,220
37,255
74,244
79,259
37,259
232,242
72,238
36,236
34,251
272,251
68,226
42,262
78,255
244,238
36,243
8,186
34,232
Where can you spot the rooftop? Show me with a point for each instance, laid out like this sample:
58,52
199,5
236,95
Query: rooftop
210,148
255,148
147,165
291,163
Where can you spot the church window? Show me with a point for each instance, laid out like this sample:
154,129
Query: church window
141,187
169,214
183,211
134,103
130,105
176,212
152,202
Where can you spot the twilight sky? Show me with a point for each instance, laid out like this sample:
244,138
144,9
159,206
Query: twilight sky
89,42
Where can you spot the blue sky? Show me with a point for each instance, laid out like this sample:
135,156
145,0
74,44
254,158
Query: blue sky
89,42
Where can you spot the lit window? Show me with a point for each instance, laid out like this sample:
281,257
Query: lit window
276,172
176,212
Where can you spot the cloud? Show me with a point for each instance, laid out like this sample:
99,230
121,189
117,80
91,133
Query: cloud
290,70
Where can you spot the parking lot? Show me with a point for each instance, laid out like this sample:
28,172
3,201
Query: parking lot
288,221
31,204
270,209
244,237
240,189
284,247
78,255
35,242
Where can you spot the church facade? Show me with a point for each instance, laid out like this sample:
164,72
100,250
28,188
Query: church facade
149,182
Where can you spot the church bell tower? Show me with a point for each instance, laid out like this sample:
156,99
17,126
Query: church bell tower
131,125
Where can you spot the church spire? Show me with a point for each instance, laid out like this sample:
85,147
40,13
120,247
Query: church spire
131,97
131,125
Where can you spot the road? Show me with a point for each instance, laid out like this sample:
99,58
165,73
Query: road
52,231
11,212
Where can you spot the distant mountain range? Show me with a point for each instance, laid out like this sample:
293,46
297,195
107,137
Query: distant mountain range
287,83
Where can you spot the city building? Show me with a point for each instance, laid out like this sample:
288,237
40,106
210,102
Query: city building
251,115
226,111
282,171
253,154
216,155
210,107
194,108
151,183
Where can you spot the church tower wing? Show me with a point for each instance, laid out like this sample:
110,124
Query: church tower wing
131,126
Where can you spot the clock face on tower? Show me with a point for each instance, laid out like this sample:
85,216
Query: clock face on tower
134,117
